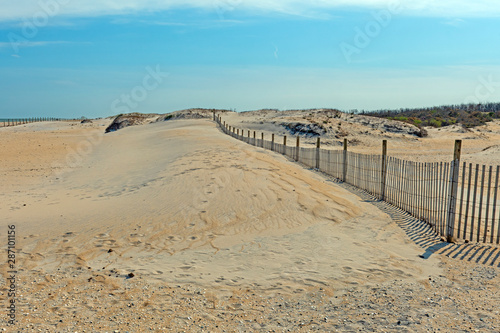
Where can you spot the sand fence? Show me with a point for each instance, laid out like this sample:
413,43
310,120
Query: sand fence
22,121
458,201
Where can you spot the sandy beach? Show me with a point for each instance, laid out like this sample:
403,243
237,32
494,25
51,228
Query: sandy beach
174,226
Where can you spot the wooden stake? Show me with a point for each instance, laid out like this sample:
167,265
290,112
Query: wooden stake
318,143
455,168
384,169
297,155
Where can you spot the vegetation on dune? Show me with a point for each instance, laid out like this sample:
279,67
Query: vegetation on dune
469,115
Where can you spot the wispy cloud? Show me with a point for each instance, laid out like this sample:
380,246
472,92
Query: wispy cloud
33,44
456,22
26,9
123,20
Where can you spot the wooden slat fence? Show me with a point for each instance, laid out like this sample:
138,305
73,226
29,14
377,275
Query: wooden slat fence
458,201
22,121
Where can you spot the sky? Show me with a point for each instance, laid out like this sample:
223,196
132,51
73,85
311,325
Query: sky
70,58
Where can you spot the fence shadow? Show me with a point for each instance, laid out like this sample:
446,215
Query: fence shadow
421,233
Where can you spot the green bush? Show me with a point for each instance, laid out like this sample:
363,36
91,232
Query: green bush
436,123
401,118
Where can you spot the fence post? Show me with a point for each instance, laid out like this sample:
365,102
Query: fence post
284,142
344,171
214,114
238,132
262,139
384,170
297,155
272,142
453,191
317,152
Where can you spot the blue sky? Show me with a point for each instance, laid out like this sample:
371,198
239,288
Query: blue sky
68,58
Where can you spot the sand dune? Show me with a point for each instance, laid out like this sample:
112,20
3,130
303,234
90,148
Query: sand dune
163,192
180,205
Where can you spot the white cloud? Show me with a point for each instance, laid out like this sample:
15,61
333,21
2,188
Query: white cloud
456,22
31,44
28,9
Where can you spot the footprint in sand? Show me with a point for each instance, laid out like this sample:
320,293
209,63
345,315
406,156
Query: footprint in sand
174,238
103,239
347,269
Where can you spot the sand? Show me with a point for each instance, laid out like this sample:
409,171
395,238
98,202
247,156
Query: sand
174,226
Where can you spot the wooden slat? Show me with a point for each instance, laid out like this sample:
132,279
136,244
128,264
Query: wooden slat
419,191
445,199
391,181
466,222
495,207
413,190
474,203
461,200
397,183
480,204
425,197
404,191
488,198
436,194
439,196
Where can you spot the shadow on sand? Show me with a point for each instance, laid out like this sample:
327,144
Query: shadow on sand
420,232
